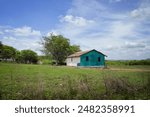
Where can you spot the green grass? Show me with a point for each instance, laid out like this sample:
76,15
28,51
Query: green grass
22,81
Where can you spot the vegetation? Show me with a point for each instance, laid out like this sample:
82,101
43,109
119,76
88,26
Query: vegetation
8,53
28,56
46,60
22,81
128,62
120,79
58,47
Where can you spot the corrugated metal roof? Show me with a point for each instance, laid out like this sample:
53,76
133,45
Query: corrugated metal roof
77,54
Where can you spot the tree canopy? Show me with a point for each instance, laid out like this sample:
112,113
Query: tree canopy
58,47
8,52
28,56
24,56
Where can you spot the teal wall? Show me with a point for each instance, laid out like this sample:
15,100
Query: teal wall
92,59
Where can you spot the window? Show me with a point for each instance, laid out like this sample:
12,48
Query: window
87,58
99,59
71,59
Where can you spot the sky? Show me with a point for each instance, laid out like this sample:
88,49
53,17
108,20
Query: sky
118,28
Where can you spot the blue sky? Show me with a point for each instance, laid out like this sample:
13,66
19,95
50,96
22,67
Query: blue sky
39,14
118,28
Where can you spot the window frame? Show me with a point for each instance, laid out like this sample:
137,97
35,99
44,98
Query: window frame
87,58
99,59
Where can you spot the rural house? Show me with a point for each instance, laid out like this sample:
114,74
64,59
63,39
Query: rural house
90,58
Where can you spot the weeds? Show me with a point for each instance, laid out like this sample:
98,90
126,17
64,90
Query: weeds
147,88
44,82
119,87
65,90
31,92
0,92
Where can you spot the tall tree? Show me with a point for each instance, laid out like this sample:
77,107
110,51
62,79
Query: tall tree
58,47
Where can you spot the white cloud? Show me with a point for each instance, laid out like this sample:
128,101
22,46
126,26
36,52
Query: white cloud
1,33
143,11
132,45
9,38
115,1
94,25
54,32
76,21
86,8
24,31
118,35
21,38
121,29
136,13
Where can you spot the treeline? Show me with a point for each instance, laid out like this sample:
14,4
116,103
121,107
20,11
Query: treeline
10,54
128,62
55,48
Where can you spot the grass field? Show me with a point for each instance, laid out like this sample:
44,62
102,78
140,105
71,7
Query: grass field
22,81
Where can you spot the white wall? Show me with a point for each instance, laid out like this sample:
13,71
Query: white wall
74,62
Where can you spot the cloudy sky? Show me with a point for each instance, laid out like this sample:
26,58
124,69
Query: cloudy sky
118,28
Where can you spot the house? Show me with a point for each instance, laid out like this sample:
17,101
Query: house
90,58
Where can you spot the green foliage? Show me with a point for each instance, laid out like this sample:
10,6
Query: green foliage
29,56
18,57
58,47
24,56
73,49
46,60
1,44
8,52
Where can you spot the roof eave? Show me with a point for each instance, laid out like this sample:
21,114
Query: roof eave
72,56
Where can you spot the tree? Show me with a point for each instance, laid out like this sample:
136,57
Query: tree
74,48
1,46
18,57
58,47
24,56
28,56
8,52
